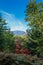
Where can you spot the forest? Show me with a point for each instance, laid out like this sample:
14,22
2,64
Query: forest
26,49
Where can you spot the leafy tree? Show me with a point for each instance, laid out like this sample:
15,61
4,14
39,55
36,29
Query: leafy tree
9,42
6,37
2,30
34,15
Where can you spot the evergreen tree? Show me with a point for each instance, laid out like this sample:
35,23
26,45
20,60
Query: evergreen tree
6,37
2,30
34,15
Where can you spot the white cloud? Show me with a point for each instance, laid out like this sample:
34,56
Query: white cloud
21,28
13,22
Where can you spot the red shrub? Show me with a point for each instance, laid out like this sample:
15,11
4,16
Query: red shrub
18,46
26,51
17,51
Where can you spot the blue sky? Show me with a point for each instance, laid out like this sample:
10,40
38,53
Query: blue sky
13,12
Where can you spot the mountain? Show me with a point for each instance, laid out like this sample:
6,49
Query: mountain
17,32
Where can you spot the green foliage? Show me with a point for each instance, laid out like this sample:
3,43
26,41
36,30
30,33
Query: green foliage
12,59
2,30
9,42
6,37
34,15
22,40
17,60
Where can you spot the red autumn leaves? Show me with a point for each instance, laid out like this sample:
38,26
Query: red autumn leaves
19,50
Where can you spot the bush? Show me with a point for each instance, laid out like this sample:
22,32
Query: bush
16,60
21,50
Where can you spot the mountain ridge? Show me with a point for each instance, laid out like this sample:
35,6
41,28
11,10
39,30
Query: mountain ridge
18,32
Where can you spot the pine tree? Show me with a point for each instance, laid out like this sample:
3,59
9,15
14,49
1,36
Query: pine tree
34,16
6,37
2,30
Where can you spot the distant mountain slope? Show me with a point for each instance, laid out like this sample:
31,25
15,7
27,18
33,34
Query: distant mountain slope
17,32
